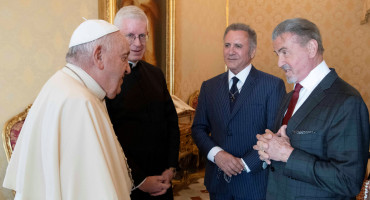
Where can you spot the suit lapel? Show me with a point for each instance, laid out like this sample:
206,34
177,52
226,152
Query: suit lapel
245,92
223,96
312,101
283,107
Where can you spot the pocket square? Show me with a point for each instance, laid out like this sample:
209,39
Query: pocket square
303,132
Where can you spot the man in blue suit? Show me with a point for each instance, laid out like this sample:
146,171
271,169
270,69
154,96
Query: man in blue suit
321,151
233,108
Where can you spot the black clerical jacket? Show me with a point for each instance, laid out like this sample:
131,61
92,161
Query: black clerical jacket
145,121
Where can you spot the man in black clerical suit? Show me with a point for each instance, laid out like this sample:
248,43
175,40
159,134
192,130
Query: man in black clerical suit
144,116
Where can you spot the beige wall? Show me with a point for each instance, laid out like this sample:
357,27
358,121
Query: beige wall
199,32
34,38
200,25
346,42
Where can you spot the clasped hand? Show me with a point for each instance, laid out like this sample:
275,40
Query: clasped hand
272,146
157,185
228,163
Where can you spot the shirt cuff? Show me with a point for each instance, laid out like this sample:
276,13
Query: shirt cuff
246,168
212,153
138,185
264,165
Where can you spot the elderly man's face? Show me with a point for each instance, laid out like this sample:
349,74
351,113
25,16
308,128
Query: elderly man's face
136,28
116,65
236,51
293,57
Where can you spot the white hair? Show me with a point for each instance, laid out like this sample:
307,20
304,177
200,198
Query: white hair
129,12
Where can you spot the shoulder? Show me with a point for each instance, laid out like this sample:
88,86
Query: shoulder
216,79
332,84
265,76
339,94
149,67
65,88
342,87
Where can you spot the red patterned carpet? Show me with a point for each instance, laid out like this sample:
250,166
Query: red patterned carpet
194,191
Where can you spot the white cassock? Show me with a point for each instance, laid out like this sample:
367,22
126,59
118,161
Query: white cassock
67,148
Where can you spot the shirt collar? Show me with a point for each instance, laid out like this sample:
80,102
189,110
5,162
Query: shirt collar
133,64
315,76
80,75
242,75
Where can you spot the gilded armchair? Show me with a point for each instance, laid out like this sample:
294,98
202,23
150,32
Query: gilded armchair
11,131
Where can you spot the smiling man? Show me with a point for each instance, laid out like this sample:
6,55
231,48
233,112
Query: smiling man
144,116
234,107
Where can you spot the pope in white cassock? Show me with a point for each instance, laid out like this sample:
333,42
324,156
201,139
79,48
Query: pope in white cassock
67,148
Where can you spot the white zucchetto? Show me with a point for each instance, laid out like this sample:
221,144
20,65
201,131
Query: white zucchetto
91,30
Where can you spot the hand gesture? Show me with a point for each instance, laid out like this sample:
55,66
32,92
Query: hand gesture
155,185
229,164
168,175
274,146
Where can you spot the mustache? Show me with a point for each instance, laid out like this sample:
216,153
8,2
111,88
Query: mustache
286,67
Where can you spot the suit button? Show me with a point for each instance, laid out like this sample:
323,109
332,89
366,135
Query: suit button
272,168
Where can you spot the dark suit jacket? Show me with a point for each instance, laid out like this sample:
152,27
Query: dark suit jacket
330,137
254,111
145,121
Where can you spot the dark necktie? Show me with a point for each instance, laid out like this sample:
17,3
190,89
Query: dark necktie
130,65
233,93
292,103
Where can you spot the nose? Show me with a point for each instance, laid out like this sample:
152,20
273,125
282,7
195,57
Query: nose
231,50
281,61
136,41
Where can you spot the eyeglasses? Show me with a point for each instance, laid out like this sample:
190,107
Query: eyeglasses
132,37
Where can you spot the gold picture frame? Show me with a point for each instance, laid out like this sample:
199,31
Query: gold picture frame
107,11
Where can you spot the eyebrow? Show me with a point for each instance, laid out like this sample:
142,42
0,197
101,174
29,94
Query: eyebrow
233,43
282,48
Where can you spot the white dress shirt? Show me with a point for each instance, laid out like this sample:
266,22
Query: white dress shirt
310,83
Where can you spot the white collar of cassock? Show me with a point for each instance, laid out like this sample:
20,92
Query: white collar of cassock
133,63
80,75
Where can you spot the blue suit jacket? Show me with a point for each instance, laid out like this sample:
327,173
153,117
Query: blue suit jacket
254,111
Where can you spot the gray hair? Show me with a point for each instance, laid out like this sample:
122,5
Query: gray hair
303,28
82,53
129,12
252,36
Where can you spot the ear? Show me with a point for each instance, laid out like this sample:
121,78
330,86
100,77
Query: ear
98,57
312,47
253,53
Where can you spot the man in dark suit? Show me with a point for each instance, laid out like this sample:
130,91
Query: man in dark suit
143,116
234,107
320,152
